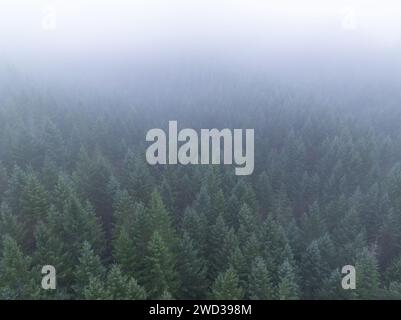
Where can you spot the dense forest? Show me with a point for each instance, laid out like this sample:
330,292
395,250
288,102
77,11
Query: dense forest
76,191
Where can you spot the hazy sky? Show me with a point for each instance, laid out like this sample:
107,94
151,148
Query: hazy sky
71,25
358,37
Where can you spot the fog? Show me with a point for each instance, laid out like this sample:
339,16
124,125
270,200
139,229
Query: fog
86,87
118,44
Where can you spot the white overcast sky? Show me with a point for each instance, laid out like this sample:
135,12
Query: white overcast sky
66,25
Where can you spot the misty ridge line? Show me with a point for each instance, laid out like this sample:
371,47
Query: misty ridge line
210,147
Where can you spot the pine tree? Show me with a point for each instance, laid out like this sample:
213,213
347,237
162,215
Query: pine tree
248,223
34,205
54,146
80,224
51,250
245,194
124,209
287,288
282,210
16,185
92,176
252,248
96,290
393,271
217,260
335,211
394,291
203,204
130,233
264,192
137,178
124,250
122,287
350,236
159,273
237,260
226,286
9,224
389,239
260,284
312,271
195,225
161,220
312,224
192,271
231,216
17,281
331,288
276,247
34,199
49,174
368,279
89,266
3,181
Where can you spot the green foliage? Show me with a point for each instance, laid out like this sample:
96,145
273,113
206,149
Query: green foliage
17,281
116,286
226,286
260,284
368,278
89,266
76,193
160,269
192,270
287,287
313,273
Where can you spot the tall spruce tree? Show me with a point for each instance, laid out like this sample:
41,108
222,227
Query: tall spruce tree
226,286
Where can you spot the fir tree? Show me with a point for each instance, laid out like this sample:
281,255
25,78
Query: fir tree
17,281
368,279
287,287
260,284
89,266
192,271
160,272
226,286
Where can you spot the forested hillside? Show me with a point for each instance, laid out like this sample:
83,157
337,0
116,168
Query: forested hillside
76,193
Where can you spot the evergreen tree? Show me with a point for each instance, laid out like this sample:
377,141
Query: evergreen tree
264,192
96,290
92,176
160,272
34,205
331,288
161,220
215,250
192,271
287,288
3,181
226,286
260,284
313,225
9,224
276,247
248,223
368,279
389,239
122,287
50,250
17,281
89,266
137,179
312,271
195,225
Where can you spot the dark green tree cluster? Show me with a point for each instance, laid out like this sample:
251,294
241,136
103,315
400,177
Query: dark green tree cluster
77,193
